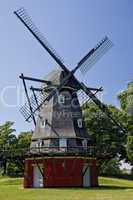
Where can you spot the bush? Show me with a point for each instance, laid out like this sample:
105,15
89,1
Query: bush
13,170
110,168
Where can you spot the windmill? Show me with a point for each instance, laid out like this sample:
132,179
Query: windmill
60,148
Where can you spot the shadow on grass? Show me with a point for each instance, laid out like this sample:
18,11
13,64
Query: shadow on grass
113,187
103,187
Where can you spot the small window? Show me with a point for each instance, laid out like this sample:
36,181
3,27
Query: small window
44,123
63,143
39,143
36,145
61,99
80,124
84,143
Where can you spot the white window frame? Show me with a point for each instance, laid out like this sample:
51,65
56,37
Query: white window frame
61,99
80,123
63,144
84,143
43,123
39,143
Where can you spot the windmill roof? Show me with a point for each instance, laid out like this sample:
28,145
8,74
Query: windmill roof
55,76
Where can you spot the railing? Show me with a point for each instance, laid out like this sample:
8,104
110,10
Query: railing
91,151
75,150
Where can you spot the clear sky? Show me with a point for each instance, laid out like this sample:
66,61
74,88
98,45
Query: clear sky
73,27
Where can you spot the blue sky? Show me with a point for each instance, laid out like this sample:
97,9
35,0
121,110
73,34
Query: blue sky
72,27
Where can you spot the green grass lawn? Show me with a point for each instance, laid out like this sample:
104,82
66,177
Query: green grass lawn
110,189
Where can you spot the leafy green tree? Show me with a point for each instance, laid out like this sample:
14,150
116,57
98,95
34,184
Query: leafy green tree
22,147
126,103
15,165
24,139
107,138
110,168
7,141
12,149
130,148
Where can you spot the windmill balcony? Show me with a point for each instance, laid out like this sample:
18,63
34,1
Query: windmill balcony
54,150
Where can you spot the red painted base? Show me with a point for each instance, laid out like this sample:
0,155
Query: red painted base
61,171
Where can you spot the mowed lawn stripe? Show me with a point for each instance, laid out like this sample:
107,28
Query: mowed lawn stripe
111,189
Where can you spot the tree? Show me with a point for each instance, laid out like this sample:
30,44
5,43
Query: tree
24,139
126,103
7,140
110,168
23,145
12,149
104,134
15,165
129,148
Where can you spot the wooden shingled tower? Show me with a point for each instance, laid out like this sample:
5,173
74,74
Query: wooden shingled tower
60,120
60,153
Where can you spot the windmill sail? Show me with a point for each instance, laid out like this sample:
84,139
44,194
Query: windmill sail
25,109
27,21
94,55
84,98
